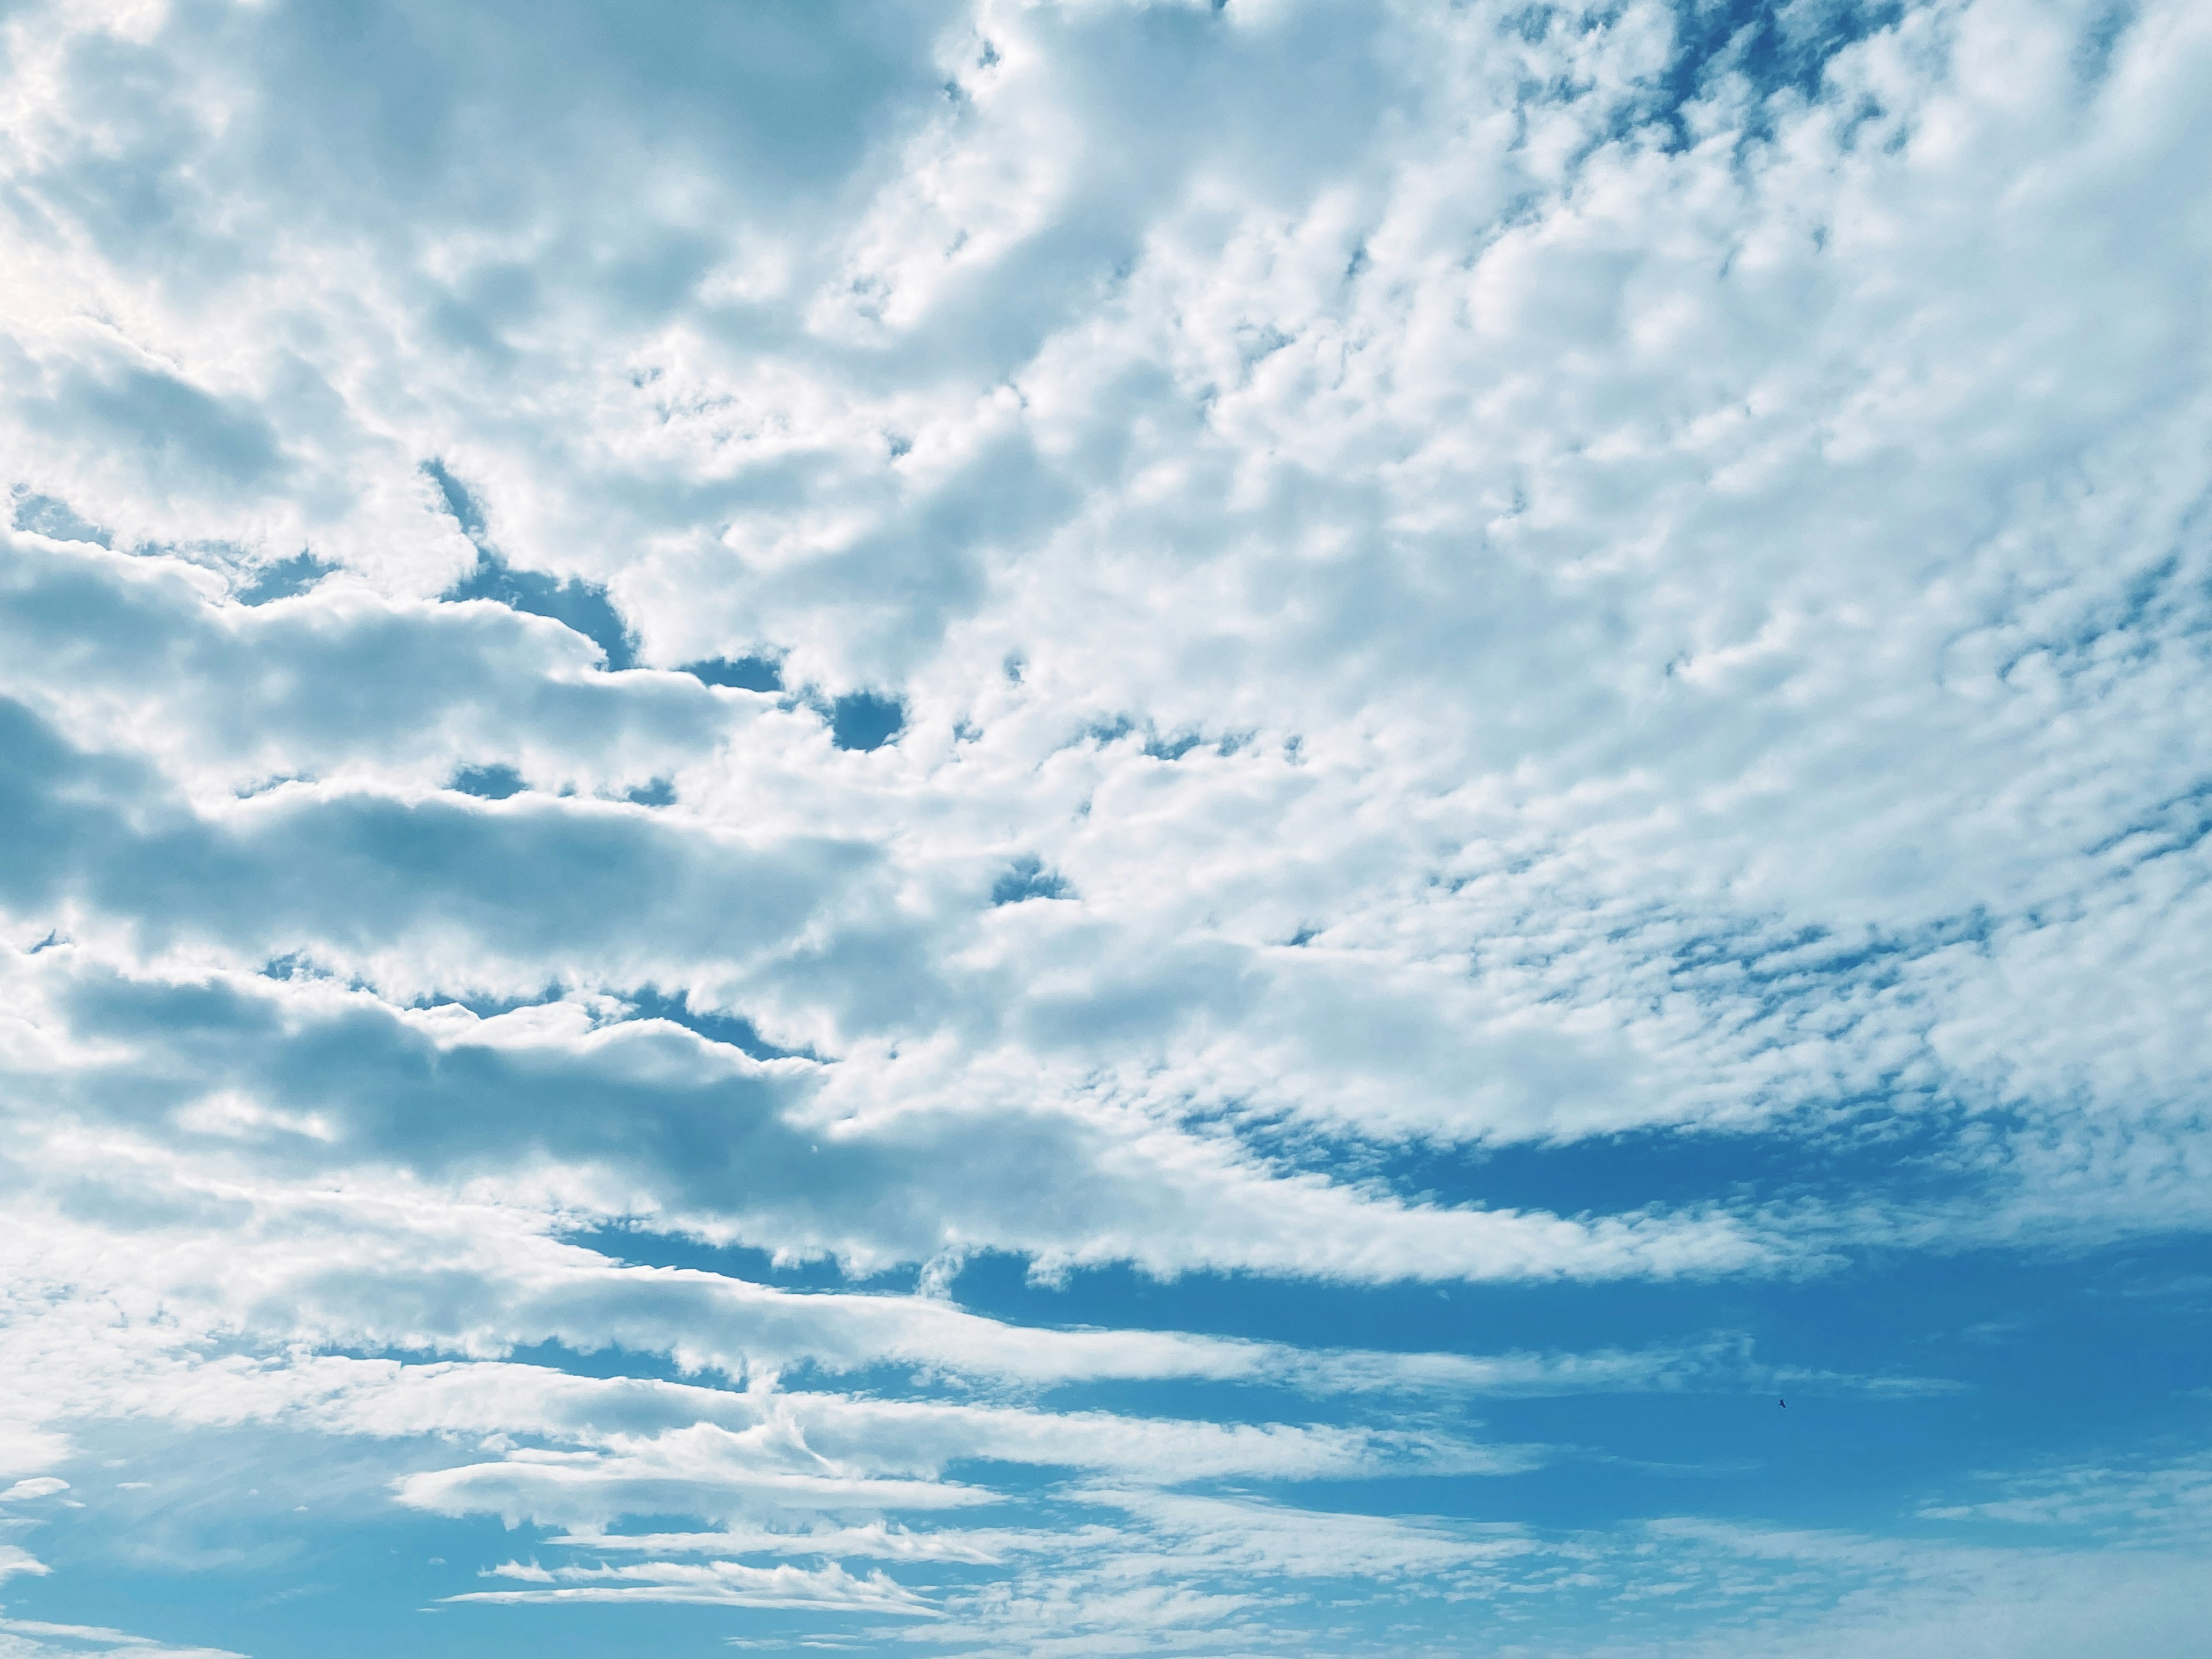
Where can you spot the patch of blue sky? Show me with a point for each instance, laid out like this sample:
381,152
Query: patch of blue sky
1770,47
1773,45
48,516
1904,1373
363,1584
497,781
1831,1155
865,720
1027,878
285,578
637,1243
1162,744
650,1002
573,603
745,673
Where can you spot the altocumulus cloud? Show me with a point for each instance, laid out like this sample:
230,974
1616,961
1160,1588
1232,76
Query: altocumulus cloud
1095,827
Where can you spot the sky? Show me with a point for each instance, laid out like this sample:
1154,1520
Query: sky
973,828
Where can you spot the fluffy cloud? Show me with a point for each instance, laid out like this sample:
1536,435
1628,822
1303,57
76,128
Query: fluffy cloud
1252,641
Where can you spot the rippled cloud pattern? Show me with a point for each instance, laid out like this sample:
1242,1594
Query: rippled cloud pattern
1002,828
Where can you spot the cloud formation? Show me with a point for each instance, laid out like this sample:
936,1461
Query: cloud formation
998,824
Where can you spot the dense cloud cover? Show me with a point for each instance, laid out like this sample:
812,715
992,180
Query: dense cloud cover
1097,827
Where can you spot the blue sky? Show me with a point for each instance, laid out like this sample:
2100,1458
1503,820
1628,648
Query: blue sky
1093,828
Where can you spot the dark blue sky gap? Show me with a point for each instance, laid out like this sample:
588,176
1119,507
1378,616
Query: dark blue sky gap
572,602
1776,48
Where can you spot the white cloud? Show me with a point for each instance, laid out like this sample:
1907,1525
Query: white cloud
36,1639
1468,589
710,1583
41,1486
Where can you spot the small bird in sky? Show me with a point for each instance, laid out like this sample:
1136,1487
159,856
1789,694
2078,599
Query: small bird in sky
1782,1403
